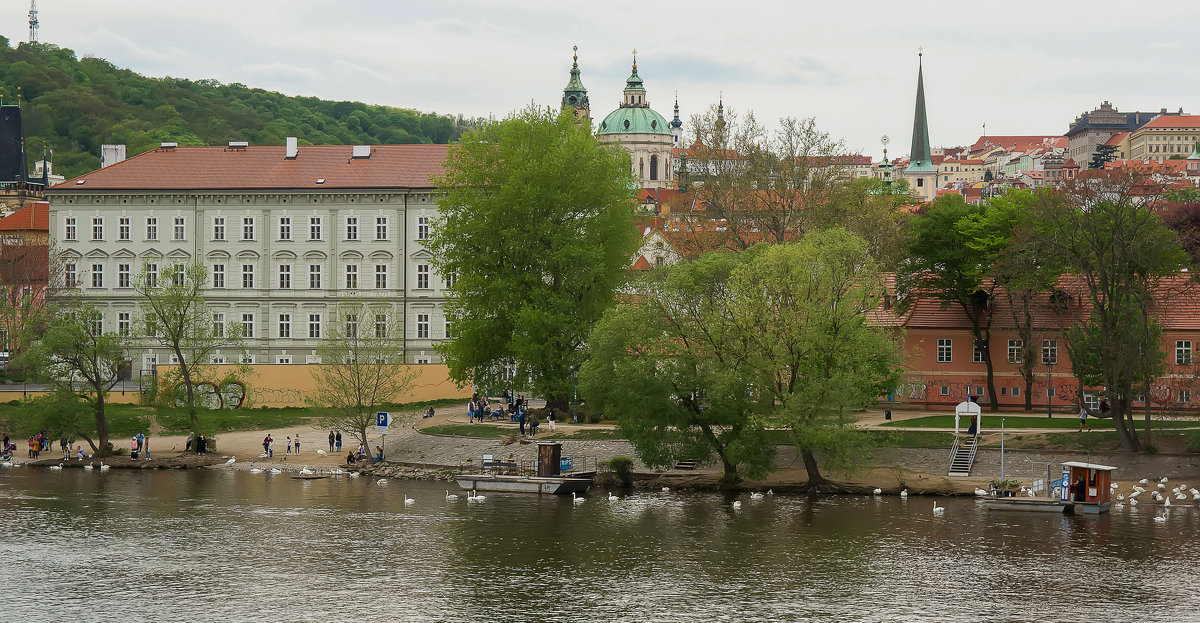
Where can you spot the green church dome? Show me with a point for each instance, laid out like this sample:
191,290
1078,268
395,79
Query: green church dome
636,120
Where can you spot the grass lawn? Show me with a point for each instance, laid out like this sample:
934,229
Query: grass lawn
469,430
991,422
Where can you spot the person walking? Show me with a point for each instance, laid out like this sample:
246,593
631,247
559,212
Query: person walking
270,446
267,445
146,446
533,425
140,438
296,440
550,419
1083,418
338,441
288,448
521,422
471,411
331,441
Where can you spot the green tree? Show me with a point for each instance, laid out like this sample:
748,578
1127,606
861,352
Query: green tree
948,265
1118,255
362,367
175,317
671,367
536,229
80,363
1103,155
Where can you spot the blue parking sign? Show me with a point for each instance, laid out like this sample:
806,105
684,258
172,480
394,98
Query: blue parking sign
381,419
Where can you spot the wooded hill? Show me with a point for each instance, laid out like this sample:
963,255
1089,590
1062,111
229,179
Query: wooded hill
74,105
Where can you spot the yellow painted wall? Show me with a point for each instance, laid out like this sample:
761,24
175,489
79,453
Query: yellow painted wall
289,385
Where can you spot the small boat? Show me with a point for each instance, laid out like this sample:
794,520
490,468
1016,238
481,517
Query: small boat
1083,489
309,476
552,485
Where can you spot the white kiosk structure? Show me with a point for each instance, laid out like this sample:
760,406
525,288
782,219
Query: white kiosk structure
962,453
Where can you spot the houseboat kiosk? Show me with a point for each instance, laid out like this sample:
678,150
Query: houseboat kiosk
1083,489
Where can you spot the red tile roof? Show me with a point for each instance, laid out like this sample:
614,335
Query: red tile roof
1018,143
1172,122
32,217
218,168
641,263
1115,141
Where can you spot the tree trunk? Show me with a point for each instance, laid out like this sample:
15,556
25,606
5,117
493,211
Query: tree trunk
1029,392
815,479
991,377
1146,440
101,425
1129,441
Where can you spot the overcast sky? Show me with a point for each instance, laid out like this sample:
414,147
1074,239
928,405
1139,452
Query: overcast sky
1021,67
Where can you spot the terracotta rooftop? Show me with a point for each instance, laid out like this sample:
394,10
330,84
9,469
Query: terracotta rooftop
1172,122
219,168
1018,143
1115,141
32,217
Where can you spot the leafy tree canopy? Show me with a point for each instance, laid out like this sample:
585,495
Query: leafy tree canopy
74,105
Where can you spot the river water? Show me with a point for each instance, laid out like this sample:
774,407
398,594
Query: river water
217,545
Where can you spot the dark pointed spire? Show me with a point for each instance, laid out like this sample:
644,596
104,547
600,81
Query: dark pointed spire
676,123
575,94
919,157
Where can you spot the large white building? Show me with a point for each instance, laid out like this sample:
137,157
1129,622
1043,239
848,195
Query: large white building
284,232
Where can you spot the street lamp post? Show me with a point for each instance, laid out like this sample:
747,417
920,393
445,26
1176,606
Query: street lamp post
1049,389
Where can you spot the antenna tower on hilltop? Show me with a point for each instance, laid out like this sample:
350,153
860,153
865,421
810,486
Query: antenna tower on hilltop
33,21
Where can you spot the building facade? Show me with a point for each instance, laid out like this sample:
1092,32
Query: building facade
285,233
644,133
1164,137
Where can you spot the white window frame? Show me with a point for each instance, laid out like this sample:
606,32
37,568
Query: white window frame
69,229
976,354
381,276
179,228
381,228
314,276
247,276
97,275
97,228
314,228
381,328
422,326
218,276
422,277
314,326
1016,351
151,271
945,350
422,228
285,228
351,228
248,325
248,228
151,228
124,322
351,276
285,326
1049,352
218,325
285,276
123,228
283,359
1183,352
218,228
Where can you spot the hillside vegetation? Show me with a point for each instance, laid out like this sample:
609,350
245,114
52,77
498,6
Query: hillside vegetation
74,105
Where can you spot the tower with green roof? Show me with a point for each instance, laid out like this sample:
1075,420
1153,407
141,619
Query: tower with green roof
921,173
575,95
644,133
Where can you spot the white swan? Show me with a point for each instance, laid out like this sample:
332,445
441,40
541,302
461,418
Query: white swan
263,455
381,481
1163,479
770,492
1114,486
304,471
666,489
6,464
103,467
276,470
337,471
758,496
1138,489
89,466
231,461
1118,506
737,505
904,493
1161,486
612,498
1120,497
255,470
576,499
409,501
56,467
982,492
355,474
1167,502
877,491
1160,518
450,497
322,453
1180,496
938,510
473,496
1132,502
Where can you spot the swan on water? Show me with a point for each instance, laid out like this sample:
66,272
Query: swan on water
6,464
231,461
450,497
875,491
1180,496
666,489
1120,497
1143,481
576,499
337,471
304,471
770,492
904,493
1118,506
255,470
1161,518
612,498
473,496
1166,501
409,501
737,505
381,481
982,492
55,467
89,466
103,467
276,470
355,474
938,510
758,496
1132,502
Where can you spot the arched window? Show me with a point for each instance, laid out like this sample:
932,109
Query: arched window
654,167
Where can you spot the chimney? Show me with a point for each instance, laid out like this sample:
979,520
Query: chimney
111,154
292,148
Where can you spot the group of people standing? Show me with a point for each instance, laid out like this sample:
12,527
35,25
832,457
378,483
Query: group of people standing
517,408
196,440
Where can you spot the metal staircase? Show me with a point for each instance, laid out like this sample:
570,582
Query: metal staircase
962,454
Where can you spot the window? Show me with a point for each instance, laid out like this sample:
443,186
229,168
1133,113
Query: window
450,279
96,326
352,326
944,390
351,276
285,325
314,276
285,228
151,228
422,276
1016,350
177,274
381,228
218,276
246,359
247,275
449,334
69,229
423,359
217,359
247,325
422,326
1185,395
976,354
314,228
284,359
122,275
123,324
381,326
381,276
177,229
1016,391
248,228
314,325
151,275
285,276
978,392
219,228
1050,392
218,324
351,228
422,227
123,228
98,228
1091,400
1003,391
1183,352
944,350
97,275
1049,352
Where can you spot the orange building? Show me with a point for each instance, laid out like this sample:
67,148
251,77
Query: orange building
943,366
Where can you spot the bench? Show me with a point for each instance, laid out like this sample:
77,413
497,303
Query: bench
685,465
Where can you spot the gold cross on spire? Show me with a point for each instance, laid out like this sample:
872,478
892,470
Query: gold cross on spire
575,52
635,58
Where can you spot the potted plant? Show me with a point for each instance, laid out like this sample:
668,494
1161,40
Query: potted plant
1006,488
